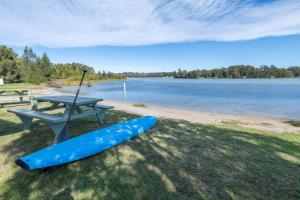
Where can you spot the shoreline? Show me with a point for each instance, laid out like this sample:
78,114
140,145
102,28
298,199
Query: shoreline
265,123
257,122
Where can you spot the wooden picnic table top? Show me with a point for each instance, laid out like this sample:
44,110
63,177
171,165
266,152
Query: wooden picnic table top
68,100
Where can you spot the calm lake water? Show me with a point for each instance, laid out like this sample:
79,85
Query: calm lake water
269,97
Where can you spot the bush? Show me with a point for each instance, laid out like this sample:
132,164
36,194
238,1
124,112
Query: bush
294,123
141,105
54,84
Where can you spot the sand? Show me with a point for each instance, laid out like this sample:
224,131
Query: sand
251,121
257,122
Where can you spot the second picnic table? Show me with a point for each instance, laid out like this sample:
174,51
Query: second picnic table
23,95
57,122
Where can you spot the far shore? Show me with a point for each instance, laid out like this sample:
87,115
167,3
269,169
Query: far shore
250,121
57,84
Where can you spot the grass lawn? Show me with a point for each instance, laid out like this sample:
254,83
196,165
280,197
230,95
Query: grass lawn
68,82
141,105
21,86
62,82
175,160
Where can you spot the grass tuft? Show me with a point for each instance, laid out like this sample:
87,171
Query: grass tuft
22,86
294,123
141,105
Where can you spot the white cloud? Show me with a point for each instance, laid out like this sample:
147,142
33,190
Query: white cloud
70,23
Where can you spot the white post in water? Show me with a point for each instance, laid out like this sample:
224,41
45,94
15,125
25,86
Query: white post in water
124,89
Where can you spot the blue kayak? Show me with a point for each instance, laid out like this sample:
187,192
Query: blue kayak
86,145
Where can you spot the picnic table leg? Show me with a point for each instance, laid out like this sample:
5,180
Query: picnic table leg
58,127
27,122
78,109
54,106
100,116
67,110
59,134
35,105
30,97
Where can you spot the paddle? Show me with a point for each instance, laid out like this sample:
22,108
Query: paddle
63,135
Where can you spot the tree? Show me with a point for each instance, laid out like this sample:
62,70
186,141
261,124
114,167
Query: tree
28,60
8,65
295,71
46,67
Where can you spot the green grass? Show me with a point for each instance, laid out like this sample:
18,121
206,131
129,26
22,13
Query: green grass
175,160
141,105
21,86
69,82
62,82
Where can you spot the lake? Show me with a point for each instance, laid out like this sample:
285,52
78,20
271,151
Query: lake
269,97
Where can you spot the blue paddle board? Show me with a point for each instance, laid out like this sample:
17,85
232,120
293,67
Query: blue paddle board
86,145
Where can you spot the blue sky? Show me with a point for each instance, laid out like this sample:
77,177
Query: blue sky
155,35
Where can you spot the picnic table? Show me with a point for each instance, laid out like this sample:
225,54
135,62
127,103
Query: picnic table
85,106
23,95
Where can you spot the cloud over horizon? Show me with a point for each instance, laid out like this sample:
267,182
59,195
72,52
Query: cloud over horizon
81,23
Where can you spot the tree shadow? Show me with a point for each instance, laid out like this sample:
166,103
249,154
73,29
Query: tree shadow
175,160
9,127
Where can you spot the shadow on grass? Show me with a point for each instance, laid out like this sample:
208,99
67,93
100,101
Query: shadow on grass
175,160
8,127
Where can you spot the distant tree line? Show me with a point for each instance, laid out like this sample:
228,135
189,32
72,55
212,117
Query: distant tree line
31,68
148,75
236,71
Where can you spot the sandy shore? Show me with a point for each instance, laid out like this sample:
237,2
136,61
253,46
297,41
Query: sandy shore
258,122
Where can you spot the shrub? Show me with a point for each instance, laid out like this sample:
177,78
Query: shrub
140,105
54,84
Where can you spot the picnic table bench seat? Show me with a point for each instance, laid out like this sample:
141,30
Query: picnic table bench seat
56,118
42,116
56,122
104,107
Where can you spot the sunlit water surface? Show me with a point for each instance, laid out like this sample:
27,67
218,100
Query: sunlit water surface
269,97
